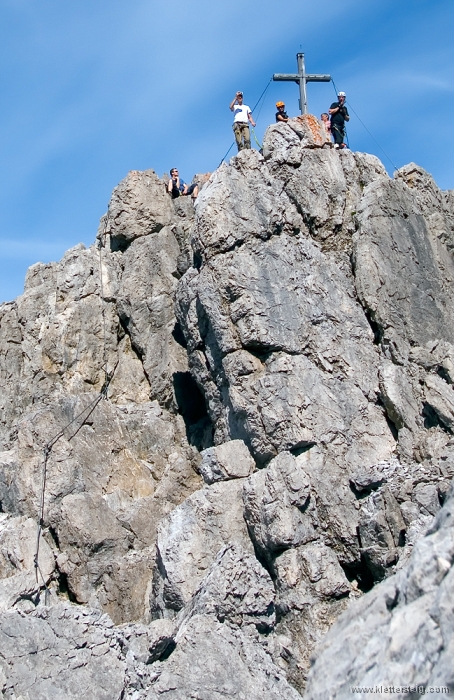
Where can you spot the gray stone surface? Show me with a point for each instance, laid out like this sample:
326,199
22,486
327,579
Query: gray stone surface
440,397
312,591
275,436
348,365
17,561
231,460
116,471
399,634
403,275
277,506
213,661
139,206
190,538
238,589
381,531
58,653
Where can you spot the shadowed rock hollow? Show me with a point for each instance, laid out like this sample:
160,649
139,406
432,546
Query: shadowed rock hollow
275,439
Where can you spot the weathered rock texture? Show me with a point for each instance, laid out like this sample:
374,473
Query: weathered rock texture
401,633
246,413
111,477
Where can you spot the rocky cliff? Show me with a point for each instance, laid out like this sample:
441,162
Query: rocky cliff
232,421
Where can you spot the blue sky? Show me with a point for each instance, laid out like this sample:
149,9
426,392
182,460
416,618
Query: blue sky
91,89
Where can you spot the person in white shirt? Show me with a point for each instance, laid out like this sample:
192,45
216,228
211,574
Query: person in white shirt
241,119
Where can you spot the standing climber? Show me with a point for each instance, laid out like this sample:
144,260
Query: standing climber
178,188
339,115
281,114
242,115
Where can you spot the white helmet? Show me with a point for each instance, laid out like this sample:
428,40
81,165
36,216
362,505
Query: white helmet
341,94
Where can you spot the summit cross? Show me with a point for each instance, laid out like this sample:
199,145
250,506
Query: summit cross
302,78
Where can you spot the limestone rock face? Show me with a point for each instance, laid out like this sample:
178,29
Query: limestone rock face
231,460
17,554
66,651
311,336
277,508
404,275
213,661
139,206
237,588
192,535
242,414
121,462
403,629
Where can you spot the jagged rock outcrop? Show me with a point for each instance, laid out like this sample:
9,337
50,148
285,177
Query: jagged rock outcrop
115,472
246,413
401,633
305,329
190,537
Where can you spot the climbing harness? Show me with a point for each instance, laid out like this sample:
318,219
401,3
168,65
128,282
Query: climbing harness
79,421
372,137
258,114
345,133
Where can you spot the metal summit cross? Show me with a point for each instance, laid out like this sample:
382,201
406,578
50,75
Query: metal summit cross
302,78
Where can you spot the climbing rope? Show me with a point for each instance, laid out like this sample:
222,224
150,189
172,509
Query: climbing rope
361,122
231,146
262,95
256,139
84,414
253,109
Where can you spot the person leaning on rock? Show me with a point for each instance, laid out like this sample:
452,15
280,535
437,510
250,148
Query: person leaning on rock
339,115
281,114
178,188
242,115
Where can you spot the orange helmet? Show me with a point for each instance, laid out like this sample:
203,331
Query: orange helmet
280,104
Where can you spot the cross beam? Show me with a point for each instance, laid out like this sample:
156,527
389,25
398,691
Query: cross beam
302,78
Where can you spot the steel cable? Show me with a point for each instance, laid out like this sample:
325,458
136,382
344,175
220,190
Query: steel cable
87,410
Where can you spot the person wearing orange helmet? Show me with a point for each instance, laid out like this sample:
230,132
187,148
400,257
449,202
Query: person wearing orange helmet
281,114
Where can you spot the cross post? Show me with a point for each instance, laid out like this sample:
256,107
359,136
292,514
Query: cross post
302,78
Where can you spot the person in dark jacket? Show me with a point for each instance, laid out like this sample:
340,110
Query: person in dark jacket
178,188
339,115
281,114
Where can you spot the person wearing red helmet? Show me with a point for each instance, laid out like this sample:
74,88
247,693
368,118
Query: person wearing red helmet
281,114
